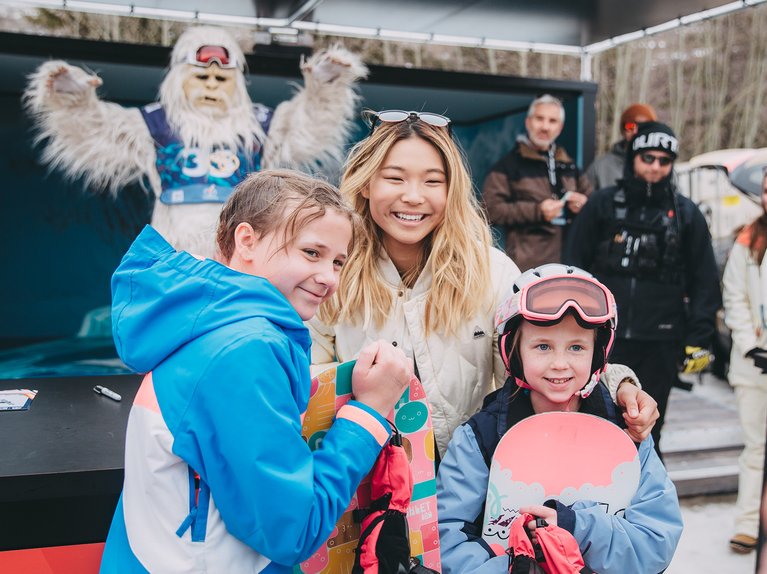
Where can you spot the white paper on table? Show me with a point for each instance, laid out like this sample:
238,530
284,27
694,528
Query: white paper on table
16,399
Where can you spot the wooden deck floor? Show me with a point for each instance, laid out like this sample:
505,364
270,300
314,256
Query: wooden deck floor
702,438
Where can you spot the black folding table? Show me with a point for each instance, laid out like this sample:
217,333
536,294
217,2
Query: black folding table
61,461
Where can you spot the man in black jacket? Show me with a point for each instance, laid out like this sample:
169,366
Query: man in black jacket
607,169
651,247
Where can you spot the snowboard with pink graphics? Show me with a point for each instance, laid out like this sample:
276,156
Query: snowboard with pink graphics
566,456
332,389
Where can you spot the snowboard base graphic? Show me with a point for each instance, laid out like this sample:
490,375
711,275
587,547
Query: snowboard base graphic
566,456
332,389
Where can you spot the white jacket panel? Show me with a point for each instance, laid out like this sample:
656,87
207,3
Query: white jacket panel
457,371
745,296
156,502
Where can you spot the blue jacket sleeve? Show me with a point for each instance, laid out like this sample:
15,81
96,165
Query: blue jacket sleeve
242,433
642,541
461,492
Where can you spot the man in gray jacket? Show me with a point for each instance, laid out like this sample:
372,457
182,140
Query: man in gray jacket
608,168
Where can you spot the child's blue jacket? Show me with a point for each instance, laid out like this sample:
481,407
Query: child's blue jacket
641,542
227,380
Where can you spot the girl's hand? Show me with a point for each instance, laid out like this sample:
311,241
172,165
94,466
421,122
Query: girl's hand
540,511
380,377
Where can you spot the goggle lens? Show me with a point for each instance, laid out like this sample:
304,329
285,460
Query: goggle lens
206,55
548,298
630,126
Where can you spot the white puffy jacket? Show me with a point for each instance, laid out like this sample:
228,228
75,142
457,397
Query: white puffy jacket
745,295
457,372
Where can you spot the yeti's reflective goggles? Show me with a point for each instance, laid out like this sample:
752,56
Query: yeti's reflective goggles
206,55
548,298
397,116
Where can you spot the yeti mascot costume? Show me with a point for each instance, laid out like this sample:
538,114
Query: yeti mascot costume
202,137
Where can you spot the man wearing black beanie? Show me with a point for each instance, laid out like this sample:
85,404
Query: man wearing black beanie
652,248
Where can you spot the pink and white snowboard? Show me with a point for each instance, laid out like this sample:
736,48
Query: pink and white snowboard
566,456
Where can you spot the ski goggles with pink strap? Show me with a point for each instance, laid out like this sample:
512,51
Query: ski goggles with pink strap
548,298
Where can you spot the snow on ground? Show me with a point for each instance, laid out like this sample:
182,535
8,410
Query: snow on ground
708,526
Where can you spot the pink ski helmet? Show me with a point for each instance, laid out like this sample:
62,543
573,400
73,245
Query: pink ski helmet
543,296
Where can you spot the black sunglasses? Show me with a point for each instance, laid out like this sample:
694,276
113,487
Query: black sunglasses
397,116
649,159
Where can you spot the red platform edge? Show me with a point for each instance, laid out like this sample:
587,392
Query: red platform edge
76,559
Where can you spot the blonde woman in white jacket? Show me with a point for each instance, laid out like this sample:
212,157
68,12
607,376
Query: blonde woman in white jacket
426,277
745,298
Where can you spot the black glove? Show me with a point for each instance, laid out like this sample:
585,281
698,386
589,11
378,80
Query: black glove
759,356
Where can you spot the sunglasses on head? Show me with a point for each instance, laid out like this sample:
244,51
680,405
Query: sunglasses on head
397,116
650,159
206,55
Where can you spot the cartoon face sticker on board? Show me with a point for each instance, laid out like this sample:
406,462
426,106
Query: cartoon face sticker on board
411,416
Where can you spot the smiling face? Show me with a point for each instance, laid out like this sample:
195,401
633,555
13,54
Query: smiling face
556,362
210,89
307,269
407,198
544,125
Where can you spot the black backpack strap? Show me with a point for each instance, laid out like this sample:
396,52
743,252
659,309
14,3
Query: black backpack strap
484,427
600,404
619,204
501,411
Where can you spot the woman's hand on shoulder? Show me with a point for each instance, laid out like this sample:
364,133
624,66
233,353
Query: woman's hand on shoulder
380,377
640,411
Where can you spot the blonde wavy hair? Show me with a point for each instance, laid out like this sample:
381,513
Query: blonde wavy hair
458,250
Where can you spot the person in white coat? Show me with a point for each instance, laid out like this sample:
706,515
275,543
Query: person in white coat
745,297
426,277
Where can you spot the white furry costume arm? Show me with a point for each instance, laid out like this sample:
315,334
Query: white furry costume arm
110,146
313,126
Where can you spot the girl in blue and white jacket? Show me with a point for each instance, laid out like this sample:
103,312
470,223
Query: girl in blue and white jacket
555,334
217,475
